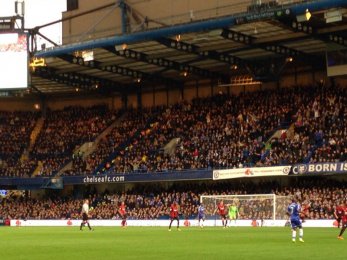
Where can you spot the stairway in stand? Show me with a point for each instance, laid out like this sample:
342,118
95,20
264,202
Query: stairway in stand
33,136
90,147
38,169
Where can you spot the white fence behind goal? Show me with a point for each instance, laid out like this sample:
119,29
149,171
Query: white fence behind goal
253,206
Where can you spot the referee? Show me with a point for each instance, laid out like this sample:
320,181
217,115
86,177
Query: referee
85,212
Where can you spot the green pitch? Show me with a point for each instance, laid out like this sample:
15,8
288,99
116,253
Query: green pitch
157,243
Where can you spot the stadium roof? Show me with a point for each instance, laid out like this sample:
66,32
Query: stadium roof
260,43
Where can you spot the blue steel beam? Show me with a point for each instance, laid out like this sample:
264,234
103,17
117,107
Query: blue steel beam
193,49
310,30
165,63
74,79
115,69
218,23
268,46
237,37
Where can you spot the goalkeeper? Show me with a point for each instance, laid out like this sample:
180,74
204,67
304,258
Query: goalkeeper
233,212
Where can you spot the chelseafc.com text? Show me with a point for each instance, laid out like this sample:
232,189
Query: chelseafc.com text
103,179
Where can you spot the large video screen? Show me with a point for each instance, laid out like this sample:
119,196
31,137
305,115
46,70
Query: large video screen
13,61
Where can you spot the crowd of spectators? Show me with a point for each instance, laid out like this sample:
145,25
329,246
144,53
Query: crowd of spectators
62,133
319,195
123,137
331,132
222,131
215,132
66,130
233,131
15,131
320,130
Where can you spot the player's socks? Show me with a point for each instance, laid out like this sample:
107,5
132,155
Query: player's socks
342,231
293,236
89,226
301,235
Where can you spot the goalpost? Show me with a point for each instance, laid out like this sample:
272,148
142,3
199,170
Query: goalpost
250,207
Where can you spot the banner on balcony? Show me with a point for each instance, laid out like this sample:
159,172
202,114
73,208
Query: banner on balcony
251,172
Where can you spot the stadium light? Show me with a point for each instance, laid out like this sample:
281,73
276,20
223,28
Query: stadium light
88,55
121,47
37,62
304,17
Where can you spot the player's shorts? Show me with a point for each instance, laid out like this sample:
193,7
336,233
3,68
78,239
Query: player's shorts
173,218
232,216
344,223
124,216
296,223
85,217
201,217
224,216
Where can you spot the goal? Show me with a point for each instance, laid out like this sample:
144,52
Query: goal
253,206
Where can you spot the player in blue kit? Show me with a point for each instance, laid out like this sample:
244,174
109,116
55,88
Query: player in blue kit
294,212
201,215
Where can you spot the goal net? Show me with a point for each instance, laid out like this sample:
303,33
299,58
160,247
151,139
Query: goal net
253,206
